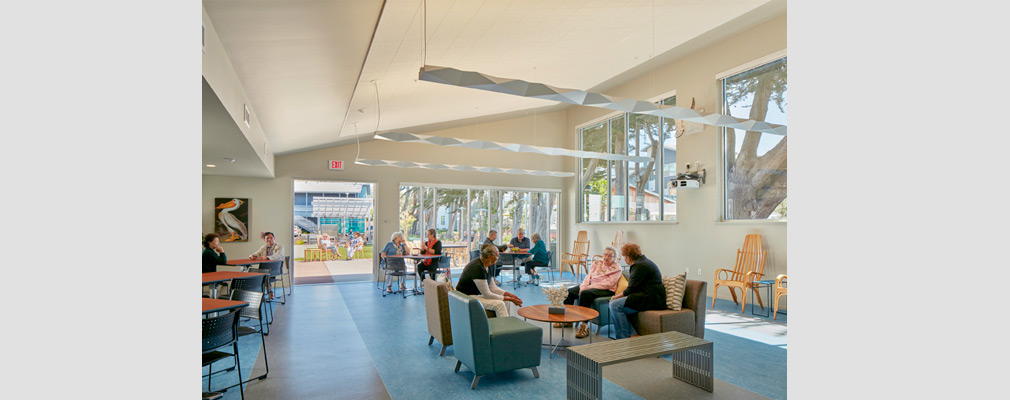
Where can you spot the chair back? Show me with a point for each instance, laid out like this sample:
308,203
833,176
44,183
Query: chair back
694,299
273,266
443,263
749,258
220,331
436,307
618,241
254,298
253,283
581,245
474,254
471,333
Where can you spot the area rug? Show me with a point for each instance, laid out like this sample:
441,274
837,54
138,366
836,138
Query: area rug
311,272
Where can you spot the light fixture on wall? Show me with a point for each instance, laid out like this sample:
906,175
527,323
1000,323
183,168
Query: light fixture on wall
517,87
513,147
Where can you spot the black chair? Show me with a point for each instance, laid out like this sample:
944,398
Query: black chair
445,264
263,289
219,332
254,312
291,282
276,274
394,271
474,254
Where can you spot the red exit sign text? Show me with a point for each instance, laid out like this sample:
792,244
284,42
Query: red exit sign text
339,165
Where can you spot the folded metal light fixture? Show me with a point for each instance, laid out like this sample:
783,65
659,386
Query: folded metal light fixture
513,147
411,164
477,80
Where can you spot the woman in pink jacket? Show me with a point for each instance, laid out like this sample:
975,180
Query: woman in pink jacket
601,281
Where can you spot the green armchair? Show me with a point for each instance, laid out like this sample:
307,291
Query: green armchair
493,345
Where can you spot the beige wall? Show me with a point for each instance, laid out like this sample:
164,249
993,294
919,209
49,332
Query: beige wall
698,240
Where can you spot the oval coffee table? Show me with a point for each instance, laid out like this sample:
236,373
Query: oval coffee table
573,314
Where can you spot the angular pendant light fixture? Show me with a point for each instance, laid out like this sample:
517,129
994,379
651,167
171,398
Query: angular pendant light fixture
477,80
411,164
513,147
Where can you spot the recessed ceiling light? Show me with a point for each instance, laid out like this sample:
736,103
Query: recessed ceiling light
211,165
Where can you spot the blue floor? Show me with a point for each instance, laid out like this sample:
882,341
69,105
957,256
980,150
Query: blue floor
394,330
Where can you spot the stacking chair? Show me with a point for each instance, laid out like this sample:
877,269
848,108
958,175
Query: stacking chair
220,332
549,266
445,264
780,290
750,265
291,282
263,290
276,274
253,312
493,345
576,259
390,272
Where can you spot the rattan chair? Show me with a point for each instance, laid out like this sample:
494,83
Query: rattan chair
220,332
750,265
253,312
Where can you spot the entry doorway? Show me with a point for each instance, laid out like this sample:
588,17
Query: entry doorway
334,231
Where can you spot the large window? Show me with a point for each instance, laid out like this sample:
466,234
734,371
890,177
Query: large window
616,191
464,216
755,162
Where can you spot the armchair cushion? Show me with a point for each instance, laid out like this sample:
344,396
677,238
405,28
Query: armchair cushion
514,343
690,319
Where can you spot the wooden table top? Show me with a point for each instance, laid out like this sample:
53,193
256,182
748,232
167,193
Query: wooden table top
249,261
215,305
221,276
573,313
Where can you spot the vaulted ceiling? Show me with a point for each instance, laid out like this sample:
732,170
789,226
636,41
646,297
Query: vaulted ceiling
320,72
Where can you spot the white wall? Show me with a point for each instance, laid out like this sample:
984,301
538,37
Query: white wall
698,240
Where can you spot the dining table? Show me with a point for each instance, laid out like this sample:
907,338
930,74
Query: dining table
211,278
514,256
416,258
216,305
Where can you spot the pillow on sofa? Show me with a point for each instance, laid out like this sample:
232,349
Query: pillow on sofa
675,291
621,285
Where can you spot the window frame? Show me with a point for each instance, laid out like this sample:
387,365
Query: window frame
605,119
723,181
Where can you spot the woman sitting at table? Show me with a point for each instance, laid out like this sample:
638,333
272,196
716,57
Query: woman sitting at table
433,247
539,253
601,281
395,247
213,253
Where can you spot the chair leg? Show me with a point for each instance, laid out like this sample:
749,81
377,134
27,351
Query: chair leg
430,339
732,292
536,374
775,315
238,368
442,352
458,363
743,300
476,378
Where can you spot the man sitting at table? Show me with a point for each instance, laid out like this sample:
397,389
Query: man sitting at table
492,235
270,251
475,281
520,241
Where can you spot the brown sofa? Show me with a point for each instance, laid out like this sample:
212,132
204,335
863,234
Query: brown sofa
436,309
690,319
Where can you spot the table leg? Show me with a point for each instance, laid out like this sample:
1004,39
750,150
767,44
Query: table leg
694,366
560,342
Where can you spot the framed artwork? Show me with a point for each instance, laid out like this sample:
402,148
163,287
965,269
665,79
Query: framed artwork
231,221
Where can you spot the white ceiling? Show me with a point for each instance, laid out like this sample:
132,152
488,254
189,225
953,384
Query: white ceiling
308,66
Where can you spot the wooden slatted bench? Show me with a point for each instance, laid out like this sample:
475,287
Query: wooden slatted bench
692,360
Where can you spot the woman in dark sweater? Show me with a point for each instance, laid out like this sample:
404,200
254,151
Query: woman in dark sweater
213,253
645,290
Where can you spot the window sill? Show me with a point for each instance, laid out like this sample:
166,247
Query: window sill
628,223
752,222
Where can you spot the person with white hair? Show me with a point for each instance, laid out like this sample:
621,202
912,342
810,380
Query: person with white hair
476,281
601,281
395,247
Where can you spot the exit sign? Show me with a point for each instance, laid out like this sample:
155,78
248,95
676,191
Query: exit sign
338,165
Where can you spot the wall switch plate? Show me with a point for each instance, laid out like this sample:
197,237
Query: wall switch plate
699,271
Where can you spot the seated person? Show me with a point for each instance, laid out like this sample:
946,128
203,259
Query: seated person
539,253
432,247
476,281
601,281
213,253
492,235
645,291
270,251
329,246
395,247
520,241
354,243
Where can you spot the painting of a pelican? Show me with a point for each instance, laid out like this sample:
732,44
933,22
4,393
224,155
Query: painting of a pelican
233,219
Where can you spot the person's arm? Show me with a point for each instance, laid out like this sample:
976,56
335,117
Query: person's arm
494,287
486,291
222,258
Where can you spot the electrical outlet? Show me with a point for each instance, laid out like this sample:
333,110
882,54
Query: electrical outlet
699,271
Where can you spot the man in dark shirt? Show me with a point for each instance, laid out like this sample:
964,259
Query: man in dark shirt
474,282
520,241
492,235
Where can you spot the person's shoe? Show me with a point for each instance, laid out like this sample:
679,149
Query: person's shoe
583,332
389,289
556,324
536,281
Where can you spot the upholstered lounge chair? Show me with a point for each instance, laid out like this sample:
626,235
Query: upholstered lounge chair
493,345
436,307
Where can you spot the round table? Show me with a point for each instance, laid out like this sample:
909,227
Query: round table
573,314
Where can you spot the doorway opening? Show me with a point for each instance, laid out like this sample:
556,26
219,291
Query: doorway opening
334,226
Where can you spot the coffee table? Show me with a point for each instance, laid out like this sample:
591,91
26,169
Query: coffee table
572,315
